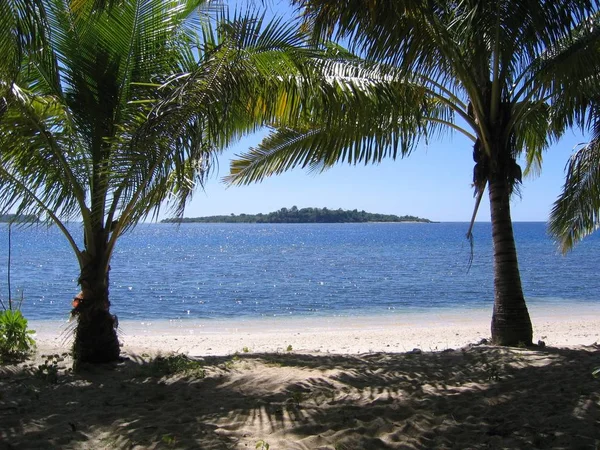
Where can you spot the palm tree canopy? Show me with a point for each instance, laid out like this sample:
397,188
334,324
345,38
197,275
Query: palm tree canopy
66,134
491,70
352,113
97,128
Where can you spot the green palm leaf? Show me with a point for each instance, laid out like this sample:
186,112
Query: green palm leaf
249,75
22,30
358,117
576,212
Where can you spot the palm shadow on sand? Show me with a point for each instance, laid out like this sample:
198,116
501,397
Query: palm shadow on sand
477,397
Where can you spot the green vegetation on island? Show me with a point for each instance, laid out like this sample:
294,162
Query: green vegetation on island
19,218
304,215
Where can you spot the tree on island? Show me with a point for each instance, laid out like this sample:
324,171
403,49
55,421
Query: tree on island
303,215
19,218
505,74
84,136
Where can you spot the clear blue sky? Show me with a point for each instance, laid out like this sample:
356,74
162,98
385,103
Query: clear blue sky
434,182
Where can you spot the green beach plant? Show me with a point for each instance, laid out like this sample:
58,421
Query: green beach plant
49,370
507,75
15,337
174,364
16,341
229,365
169,439
262,445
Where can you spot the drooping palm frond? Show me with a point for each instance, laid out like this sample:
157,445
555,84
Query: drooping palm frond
249,75
22,30
565,76
576,212
568,75
533,134
359,117
354,112
40,173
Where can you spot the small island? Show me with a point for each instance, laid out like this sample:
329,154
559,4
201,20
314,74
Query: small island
19,218
304,215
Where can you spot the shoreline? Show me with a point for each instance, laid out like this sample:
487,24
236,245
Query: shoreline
556,325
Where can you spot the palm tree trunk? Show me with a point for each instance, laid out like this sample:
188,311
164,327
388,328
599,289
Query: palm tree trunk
96,335
511,324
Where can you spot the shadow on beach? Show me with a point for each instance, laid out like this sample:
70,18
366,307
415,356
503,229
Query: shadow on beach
476,397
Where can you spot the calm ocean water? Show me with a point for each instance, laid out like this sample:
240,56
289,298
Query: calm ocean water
220,271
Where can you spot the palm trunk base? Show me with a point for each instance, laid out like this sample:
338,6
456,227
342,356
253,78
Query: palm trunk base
96,338
512,327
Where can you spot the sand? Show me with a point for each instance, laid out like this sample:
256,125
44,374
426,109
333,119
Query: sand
421,381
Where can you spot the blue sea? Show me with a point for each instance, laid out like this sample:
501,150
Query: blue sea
253,271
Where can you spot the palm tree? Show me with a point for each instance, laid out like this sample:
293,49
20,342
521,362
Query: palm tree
495,70
85,136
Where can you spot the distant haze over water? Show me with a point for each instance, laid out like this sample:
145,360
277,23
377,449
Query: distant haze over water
221,271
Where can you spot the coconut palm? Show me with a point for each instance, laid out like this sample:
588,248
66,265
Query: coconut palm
498,67
85,137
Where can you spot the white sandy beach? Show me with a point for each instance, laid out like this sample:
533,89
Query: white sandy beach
335,383
436,331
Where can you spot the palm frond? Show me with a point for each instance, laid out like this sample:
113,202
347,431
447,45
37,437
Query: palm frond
22,30
533,133
286,149
354,112
565,75
357,122
67,134
40,157
248,75
559,88
576,212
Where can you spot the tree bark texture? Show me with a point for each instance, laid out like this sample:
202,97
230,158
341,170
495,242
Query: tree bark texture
511,324
96,338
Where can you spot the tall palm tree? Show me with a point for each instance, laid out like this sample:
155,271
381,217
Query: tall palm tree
497,67
86,137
